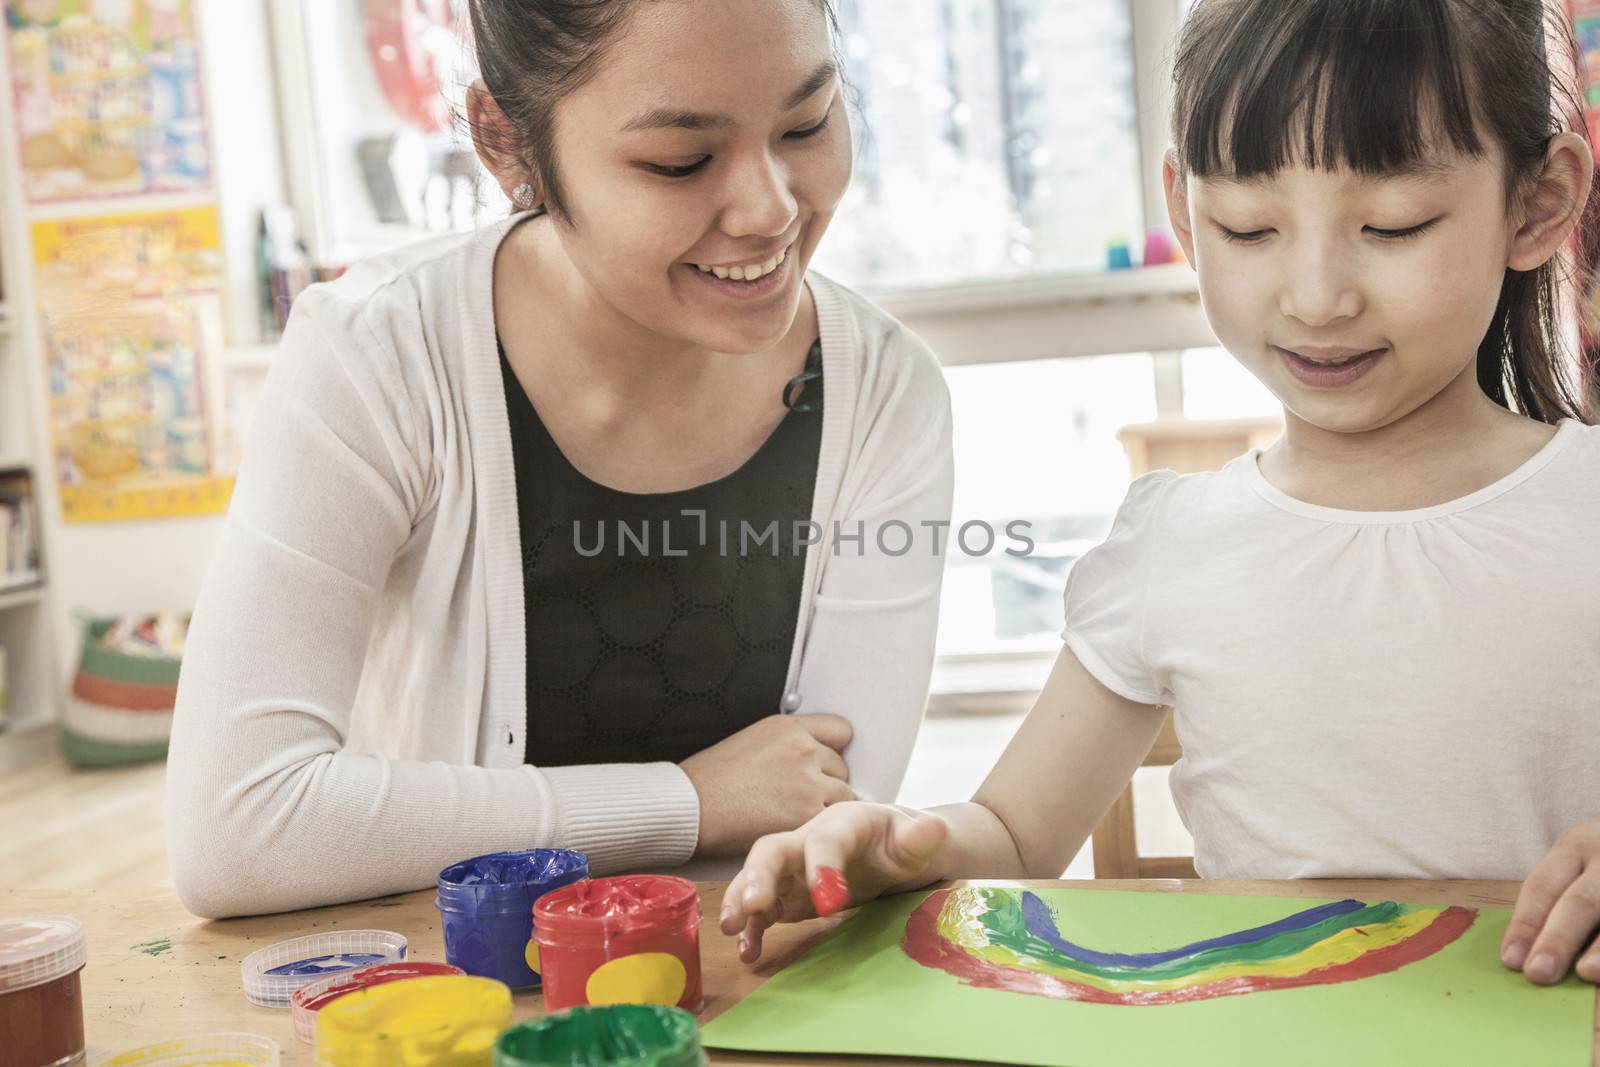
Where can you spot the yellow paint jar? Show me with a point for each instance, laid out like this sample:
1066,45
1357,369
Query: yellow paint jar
450,1021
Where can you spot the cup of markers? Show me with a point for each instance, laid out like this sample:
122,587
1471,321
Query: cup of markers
486,904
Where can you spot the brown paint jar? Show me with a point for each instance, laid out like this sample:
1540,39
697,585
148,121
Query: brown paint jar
41,1003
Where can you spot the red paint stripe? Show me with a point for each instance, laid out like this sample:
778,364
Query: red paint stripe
923,943
124,696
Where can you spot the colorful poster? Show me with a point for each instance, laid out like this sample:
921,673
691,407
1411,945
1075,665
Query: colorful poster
108,97
1586,29
1093,978
132,312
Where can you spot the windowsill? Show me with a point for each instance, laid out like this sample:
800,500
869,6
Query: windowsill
1169,281
999,683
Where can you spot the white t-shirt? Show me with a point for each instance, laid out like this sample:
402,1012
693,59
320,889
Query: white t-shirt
1402,694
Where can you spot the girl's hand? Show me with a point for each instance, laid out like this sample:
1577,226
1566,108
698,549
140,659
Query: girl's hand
1558,910
847,855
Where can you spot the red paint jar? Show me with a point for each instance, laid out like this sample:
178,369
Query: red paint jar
628,940
41,1003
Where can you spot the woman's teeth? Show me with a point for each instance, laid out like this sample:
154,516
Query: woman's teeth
746,273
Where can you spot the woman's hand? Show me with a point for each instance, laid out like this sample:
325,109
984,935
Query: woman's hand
845,856
773,775
1558,910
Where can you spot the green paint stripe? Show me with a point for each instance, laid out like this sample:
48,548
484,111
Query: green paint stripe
1005,928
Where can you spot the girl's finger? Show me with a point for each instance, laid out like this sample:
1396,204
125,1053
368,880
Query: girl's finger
731,921
1569,927
771,860
833,848
792,905
1589,966
1543,887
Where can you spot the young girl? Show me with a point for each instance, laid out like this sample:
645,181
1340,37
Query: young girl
1381,636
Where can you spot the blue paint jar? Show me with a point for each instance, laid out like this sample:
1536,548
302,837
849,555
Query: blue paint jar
487,907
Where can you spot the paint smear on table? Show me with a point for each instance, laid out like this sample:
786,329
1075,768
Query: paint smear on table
1007,939
154,948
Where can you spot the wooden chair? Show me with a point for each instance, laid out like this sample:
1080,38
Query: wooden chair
1191,445
1116,846
1186,446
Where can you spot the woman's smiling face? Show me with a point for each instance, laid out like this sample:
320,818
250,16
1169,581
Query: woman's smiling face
712,134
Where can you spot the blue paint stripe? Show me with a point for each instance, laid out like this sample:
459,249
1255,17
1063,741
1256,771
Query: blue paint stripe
1041,924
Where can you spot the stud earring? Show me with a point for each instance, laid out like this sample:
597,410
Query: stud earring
522,196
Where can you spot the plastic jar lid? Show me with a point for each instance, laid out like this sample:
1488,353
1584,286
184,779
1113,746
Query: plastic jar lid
416,1023
208,1050
39,949
272,974
616,905
508,881
310,999
635,1035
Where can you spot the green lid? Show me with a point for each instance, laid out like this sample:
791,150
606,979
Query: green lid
635,1035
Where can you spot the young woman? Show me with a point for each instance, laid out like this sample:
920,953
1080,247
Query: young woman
566,534
1381,636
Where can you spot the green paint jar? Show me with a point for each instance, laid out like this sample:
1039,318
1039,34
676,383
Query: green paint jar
635,1035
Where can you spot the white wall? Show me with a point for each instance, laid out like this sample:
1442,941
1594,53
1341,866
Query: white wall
112,568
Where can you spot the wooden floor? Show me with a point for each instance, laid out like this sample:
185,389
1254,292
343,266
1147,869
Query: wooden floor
66,828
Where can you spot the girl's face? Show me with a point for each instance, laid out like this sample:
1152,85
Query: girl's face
712,135
1355,299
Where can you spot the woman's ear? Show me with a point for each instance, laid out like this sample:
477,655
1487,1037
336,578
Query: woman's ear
494,139
1178,204
1552,202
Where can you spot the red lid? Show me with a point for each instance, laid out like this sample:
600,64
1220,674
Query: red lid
310,999
613,905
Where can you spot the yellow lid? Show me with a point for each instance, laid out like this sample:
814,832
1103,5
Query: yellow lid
449,1021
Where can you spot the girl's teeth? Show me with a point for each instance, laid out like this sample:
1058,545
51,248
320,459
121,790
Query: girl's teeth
747,274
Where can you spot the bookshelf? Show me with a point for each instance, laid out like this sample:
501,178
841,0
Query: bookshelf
28,626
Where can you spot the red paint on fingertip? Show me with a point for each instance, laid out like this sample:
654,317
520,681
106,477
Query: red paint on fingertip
830,893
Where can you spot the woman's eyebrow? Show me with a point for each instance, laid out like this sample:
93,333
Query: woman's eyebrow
676,118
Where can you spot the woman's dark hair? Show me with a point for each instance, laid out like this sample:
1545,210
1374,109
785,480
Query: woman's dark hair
1371,85
531,55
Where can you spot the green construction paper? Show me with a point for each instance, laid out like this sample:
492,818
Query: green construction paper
858,993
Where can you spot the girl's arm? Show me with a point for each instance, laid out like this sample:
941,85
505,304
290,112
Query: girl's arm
1073,755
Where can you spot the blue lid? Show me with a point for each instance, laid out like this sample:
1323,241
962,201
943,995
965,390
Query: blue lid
509,881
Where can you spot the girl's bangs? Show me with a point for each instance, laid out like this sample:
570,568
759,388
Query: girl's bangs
1375,87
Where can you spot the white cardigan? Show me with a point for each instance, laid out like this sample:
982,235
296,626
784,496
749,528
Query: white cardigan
352,708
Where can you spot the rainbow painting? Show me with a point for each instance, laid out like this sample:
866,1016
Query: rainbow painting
1007,939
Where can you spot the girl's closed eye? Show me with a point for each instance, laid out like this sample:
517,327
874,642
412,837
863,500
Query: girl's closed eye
1404,233
684,170
669,170
1243,237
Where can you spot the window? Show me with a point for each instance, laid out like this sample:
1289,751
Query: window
1035,442
994,138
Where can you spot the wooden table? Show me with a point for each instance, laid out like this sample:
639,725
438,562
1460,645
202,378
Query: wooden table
156,972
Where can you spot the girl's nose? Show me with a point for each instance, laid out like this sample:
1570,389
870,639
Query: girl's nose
1320,289
759,201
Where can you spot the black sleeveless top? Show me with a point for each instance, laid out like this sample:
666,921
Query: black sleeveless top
652,634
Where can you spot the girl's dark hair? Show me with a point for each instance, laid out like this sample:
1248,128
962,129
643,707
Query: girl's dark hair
531,54
1371,85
